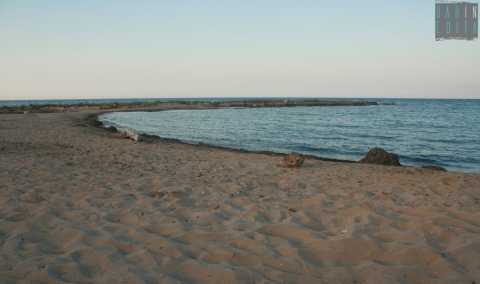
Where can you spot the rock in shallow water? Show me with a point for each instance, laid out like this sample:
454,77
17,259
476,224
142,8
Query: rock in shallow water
379,156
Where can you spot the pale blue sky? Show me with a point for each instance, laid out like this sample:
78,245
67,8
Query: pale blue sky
187,48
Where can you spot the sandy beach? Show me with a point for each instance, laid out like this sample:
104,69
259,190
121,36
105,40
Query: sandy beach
79,204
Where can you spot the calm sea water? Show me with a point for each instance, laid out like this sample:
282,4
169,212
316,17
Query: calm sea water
421,132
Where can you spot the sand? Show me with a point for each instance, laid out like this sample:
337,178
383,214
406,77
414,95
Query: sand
79,204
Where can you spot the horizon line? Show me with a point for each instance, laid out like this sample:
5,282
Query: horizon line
258,97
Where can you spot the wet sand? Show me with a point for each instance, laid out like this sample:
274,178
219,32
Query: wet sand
79,204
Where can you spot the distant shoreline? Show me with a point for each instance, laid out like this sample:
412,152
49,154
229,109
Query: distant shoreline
175,104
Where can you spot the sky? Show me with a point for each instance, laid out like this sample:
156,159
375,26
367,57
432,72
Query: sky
56,49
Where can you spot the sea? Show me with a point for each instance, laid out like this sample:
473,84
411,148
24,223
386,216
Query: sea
422,132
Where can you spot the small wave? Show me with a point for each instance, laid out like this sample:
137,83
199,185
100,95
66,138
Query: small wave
421,161
373,136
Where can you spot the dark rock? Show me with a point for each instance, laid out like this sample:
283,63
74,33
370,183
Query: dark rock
379,156
147,138
434,168
97,123
293,160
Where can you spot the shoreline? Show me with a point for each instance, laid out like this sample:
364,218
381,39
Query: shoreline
192,104
147,138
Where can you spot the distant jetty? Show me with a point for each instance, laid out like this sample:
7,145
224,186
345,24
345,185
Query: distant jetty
185,104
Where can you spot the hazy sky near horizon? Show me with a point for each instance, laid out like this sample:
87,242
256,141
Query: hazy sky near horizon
186,48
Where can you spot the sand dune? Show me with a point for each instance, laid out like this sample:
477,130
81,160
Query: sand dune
81,205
